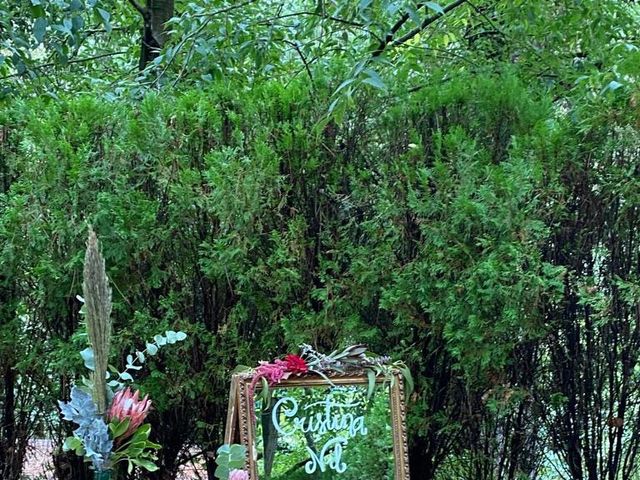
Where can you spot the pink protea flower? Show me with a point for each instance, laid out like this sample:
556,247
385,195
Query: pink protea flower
238,475
127,404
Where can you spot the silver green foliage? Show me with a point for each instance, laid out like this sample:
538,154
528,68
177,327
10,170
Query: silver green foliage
230,457
91,439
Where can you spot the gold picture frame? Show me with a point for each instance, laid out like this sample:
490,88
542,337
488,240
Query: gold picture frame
241,428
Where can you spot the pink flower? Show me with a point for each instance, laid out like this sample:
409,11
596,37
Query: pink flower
273,372
238,475
295,364
278,370
127,404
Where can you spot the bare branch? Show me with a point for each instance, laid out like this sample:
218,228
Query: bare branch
344,21
391,41
486,17
397,26
303,58
70,62
141,10
224,10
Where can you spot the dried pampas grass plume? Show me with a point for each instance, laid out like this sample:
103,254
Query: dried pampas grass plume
97,297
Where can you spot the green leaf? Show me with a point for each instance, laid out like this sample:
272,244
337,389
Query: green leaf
77,23
40,28
612,86
334,104
87,356
236,463
37,10
170,336
347,82
393,7
264,393
413,15
152,349
146,464
374,79
408,379
71,443
221,472
119,428
237,451
180,336
105,17
142,433
126,376
435,7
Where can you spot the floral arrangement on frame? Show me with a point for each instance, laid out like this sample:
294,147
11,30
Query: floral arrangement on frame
354,359
109,414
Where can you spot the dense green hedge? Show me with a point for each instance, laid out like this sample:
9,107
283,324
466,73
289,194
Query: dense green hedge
428,228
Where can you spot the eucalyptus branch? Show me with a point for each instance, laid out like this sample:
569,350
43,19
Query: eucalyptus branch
135,362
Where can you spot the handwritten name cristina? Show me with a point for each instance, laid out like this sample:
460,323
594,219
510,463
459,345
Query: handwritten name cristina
328,420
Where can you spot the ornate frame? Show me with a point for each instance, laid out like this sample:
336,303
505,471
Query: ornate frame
240,428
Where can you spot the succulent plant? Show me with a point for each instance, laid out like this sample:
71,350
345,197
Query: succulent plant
92,430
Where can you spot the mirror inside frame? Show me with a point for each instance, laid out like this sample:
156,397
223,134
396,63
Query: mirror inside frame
312,428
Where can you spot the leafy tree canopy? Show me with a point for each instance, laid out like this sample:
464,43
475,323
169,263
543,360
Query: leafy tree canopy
395,46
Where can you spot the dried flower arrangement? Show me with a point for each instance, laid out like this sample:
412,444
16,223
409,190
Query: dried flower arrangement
109,414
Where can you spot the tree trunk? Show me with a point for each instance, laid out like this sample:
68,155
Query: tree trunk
12,445
8,464
155,15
